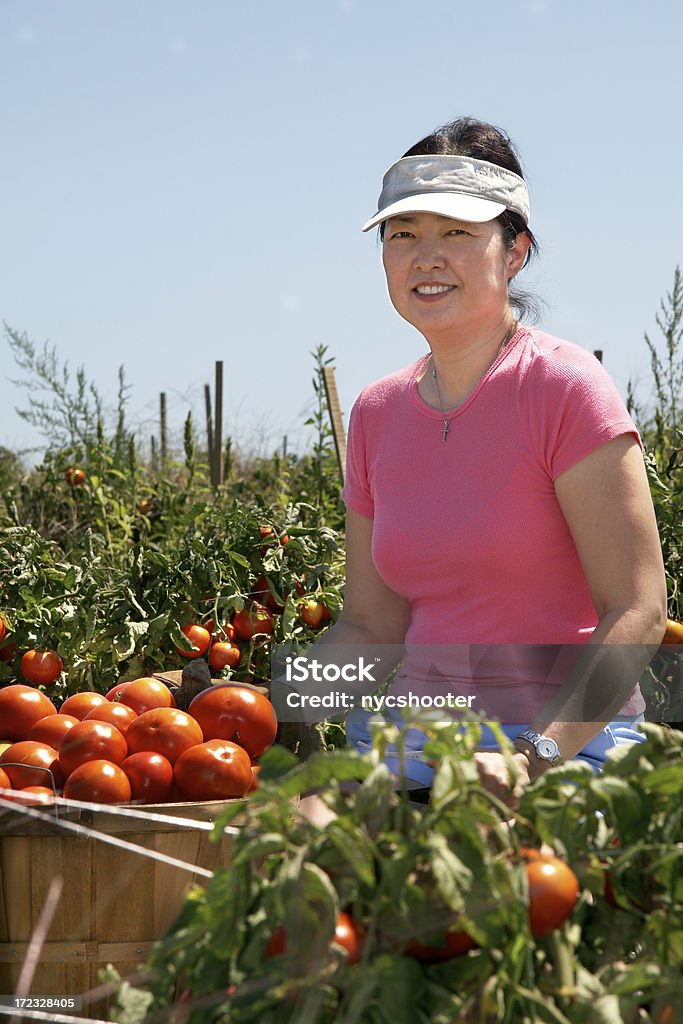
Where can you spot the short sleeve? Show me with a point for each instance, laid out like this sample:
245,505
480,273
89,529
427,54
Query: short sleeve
357,493
583,411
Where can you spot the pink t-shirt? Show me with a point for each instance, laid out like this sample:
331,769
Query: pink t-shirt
470,531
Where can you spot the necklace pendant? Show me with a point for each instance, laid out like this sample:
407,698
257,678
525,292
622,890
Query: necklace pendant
444,430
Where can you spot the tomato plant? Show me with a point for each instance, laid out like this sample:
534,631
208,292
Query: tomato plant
91,741
150,776
20,708
166,731
41,667
232,712
214,770
99,781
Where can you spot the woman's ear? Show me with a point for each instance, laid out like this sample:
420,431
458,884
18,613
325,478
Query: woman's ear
517,253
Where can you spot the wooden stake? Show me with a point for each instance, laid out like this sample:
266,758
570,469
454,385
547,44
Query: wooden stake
164,432
338,431
218,429
209,435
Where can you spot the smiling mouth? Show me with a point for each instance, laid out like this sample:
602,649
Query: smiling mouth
433,289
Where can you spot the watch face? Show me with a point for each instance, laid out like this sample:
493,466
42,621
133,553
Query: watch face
547,748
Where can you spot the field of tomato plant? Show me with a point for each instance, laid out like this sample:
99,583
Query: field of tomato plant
131,588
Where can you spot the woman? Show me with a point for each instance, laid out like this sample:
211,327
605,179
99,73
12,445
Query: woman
496,492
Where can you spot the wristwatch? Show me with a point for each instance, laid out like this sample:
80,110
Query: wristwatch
545,748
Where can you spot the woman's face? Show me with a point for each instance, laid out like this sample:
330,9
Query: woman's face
446,275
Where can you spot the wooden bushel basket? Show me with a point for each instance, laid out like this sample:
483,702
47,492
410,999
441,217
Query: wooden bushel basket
114,904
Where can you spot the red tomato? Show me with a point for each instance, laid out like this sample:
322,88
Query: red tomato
224,631
31,795
115,693
311,613
91,741
100,782
119,715
4,781
455,943
224,655
20,708
150,776
166,731
553,891
229,711
199,637
348,934
262,593
41,667
53,729
74,476
674,632
248,623
80,704
215,770
33,760
270,537
254,784
146,693
8,651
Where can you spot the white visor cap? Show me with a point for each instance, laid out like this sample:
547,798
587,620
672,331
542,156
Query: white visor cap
452,186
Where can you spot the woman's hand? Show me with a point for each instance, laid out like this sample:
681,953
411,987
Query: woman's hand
495,777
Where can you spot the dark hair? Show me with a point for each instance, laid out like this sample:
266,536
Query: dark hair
465,136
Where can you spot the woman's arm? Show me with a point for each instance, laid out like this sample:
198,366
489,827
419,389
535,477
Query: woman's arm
605,499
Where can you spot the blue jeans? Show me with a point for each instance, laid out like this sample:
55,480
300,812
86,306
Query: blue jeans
417,773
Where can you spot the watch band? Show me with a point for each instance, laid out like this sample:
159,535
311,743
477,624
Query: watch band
545,748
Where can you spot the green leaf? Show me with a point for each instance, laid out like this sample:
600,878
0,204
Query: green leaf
622,800
452,877
667,780
355,847
276,762
235,556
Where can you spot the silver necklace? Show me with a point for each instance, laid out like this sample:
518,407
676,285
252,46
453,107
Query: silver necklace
447,419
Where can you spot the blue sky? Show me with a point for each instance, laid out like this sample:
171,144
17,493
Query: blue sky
185,182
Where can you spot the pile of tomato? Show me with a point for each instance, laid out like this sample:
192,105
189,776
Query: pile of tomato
133,743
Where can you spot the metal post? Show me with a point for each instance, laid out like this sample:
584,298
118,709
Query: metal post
209,436
218,428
